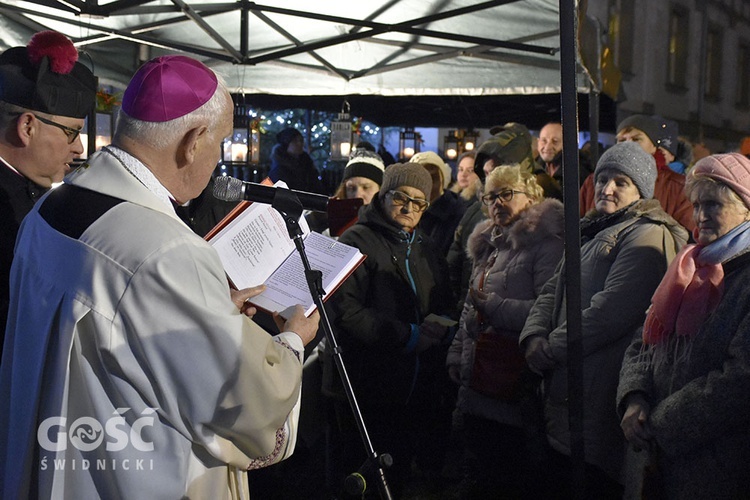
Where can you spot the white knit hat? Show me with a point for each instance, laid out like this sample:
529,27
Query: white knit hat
363,163
425,157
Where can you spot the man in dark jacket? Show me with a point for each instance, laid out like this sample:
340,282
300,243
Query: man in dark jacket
291,163
44,97
201,214
549,165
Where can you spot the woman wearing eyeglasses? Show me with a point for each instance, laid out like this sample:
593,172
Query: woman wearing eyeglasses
393,354
627,243
514,253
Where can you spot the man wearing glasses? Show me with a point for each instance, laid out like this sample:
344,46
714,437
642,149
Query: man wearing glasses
44,97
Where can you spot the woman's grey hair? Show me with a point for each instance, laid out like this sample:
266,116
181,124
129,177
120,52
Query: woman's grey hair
159,135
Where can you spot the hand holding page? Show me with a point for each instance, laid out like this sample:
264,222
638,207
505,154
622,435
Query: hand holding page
254,247
287,285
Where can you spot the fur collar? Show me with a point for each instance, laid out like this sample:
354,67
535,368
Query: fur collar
471,192
535,224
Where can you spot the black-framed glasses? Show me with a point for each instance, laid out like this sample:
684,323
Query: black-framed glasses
72,133
400,198
506,195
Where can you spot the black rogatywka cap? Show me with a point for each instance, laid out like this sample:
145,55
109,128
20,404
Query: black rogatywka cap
46,76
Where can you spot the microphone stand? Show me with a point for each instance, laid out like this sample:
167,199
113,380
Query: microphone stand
288,205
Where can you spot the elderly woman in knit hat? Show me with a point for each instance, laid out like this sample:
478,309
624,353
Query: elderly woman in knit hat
383,317
627,243
658,137
684,385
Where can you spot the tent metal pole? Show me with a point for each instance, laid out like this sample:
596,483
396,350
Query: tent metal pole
594,125
572,270
703,70
244,33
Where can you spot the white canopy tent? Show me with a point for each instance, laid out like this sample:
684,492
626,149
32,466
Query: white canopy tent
441,49
389,49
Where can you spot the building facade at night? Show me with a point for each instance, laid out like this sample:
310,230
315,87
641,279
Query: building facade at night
687,60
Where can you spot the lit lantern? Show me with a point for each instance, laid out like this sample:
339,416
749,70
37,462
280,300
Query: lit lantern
102,136
408,143
470,140
239,152
341,134
244,146
254,135
451,145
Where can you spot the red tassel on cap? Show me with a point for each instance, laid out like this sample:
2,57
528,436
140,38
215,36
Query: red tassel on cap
60,50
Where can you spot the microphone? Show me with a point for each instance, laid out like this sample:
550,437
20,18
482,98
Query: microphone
231,189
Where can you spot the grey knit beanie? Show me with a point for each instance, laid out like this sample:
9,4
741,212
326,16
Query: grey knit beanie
406,174
630,159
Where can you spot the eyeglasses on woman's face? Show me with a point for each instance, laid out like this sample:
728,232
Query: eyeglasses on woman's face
506,195
399,198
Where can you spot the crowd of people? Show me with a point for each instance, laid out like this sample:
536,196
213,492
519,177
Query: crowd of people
132,369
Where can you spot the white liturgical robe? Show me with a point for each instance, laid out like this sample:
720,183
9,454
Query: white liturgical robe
128,372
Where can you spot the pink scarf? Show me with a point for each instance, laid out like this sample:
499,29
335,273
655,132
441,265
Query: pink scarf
686,296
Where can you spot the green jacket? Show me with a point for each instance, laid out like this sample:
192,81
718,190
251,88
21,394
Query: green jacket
623,258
